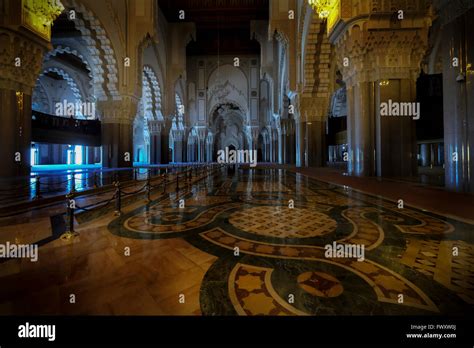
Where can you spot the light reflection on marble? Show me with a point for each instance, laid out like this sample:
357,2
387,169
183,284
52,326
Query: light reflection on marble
190,250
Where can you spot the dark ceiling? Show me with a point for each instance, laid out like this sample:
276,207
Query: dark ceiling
222,26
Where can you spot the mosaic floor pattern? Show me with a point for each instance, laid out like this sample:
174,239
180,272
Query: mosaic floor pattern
268,231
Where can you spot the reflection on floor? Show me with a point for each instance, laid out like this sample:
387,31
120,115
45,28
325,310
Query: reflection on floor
251,243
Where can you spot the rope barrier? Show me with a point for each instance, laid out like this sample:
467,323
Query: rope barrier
169,175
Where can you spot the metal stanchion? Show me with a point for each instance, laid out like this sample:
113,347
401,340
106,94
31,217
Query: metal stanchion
73,183
37,188
148,186
165,176
96,184
70,207
177,179
135,174
118,199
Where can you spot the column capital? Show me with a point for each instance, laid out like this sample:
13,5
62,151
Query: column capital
20,61
155,126
121,111
378,46
374,55
313,108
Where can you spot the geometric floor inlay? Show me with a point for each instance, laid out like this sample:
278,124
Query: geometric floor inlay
269,235
260,242
282,222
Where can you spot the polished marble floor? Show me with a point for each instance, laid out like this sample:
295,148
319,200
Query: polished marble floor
251,243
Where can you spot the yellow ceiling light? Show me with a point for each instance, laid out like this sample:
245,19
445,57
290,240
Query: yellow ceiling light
322,7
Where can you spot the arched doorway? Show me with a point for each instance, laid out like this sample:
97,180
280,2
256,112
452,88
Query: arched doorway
227,125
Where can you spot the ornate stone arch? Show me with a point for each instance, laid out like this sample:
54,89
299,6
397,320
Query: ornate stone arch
150,79
104,62
41,100
70,81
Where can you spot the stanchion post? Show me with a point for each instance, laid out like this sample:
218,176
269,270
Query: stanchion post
96,184
70,207
118,199
73,183
37,188
70,213
177,179
148,186
165,176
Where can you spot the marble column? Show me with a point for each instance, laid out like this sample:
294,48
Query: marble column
458,102
382,62
396,150
16,86
425,155
300,143
178,147
117,131
284,141
165,145
316,147
155,141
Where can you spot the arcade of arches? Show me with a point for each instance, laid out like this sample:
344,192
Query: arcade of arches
166,89
159,83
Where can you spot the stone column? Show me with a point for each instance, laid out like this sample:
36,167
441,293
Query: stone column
155,141
396,136
381,64
300,143
425,155
283,142
25,34
178,146
458,99
16,86
314,114
165,140
117,131
315,140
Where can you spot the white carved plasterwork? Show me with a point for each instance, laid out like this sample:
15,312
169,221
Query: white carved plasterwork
151,94
59,49
70,81
101,52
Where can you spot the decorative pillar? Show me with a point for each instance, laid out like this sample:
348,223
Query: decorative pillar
23,42
165,141
155,128
425,153
314,114
178,146
380,63
300,143
117,131
458,92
